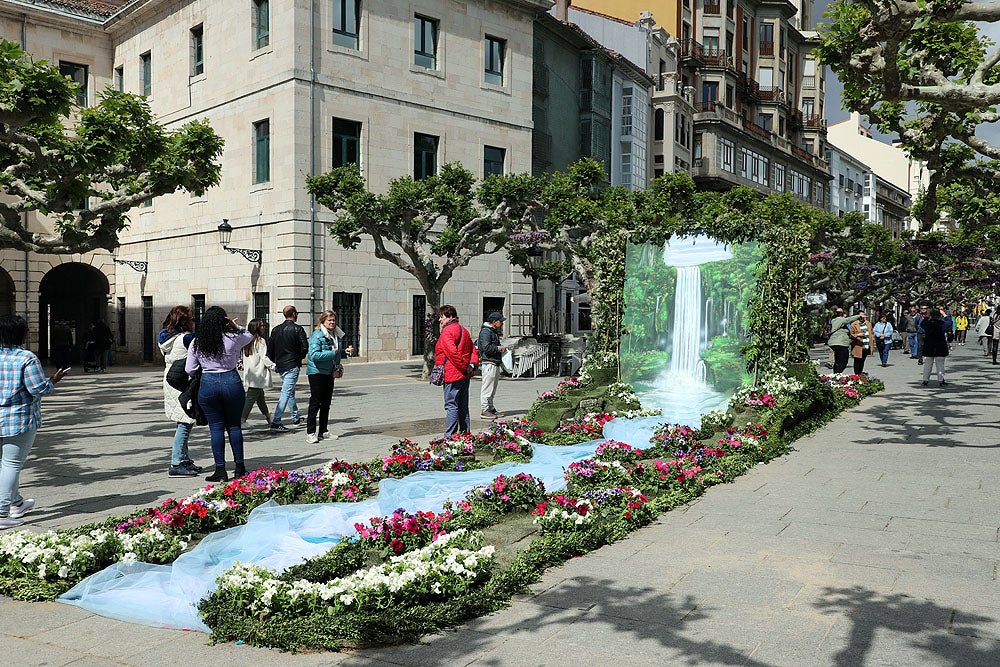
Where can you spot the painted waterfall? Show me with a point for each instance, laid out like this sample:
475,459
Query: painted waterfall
684,308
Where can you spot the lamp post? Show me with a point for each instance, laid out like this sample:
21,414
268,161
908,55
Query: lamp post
535,257
141,267
226,233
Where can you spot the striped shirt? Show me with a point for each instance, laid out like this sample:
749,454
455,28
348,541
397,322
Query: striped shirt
22,385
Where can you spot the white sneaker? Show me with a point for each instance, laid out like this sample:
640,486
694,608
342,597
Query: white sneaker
326,435
7,522
311,437
17,511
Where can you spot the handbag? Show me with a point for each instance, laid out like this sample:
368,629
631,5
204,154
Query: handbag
177,376
338,371
436,377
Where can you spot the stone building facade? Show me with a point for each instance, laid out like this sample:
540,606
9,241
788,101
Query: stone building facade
398,88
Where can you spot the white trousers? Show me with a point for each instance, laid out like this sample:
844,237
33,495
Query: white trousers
491,375
937,361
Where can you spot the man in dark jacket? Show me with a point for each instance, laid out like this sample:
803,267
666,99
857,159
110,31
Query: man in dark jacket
490,353
287,348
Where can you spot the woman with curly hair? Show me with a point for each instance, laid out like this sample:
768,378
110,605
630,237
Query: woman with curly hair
215,351
174,339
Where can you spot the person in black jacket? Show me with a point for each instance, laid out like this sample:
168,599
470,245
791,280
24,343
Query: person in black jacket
287,348
490,353
935,346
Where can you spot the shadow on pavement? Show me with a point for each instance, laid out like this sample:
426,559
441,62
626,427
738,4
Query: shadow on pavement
943,632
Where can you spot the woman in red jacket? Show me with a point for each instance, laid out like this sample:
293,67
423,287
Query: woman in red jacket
454,351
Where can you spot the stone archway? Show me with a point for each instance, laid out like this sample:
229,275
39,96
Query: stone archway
7,295
74,293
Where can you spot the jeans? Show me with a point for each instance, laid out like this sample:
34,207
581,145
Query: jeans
839,358
320,396
179,454
456,407
884,352
221,398
15,452
914,347
288,379
491,376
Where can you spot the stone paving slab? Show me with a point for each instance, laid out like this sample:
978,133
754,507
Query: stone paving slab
875,542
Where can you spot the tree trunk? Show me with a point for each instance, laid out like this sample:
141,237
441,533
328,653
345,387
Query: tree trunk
433,303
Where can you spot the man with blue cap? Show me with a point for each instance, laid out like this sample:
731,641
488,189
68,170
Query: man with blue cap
490,355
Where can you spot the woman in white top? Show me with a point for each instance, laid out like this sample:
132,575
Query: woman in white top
256,370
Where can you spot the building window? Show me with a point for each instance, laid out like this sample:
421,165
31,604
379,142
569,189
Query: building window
493,67
493,161
146,73
347,305
262,308
262,151
346,143
627,112
710,91
261,23
121,321
120,79
198,306
659,121
425,147
78,73
710,41
425,39
418,339
148,333
767,39
728,153
197,50
766,120
808,107
746,33
779,177
346,23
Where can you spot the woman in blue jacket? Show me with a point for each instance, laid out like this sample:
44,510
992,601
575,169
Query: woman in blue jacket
321,362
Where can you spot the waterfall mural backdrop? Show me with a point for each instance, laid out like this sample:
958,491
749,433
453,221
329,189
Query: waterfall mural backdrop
684,309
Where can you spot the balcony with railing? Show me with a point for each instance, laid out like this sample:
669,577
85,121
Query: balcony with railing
772,95
692,51
766,48
713,7
717,58
748,87
814,123
802,153
794,119
754,128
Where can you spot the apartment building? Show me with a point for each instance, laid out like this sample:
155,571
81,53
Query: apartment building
757,94
398,89
888,161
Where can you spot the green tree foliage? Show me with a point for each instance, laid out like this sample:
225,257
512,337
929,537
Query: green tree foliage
85,168
922,71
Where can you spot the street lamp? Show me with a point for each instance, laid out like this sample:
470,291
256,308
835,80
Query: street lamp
141,267
226,233
535,257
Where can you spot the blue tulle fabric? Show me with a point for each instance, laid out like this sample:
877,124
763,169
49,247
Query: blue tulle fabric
279,536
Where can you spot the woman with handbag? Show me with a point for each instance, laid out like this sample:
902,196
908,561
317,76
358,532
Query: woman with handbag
454,351
215,351
174,339
883,338
322,367
257,369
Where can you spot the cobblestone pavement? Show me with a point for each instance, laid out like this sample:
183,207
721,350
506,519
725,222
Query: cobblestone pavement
876,542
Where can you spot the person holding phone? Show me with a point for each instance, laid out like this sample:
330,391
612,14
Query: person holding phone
216,351
22,385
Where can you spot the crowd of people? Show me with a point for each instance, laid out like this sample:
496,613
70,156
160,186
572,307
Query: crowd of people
927,334
216,371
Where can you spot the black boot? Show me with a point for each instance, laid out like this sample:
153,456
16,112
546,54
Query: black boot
219,475
240,470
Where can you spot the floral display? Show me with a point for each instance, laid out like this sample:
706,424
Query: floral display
562,513
402,531
560,389
594,474
447,567
408,457
505,494
751,435
612,450
854,387
337,481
